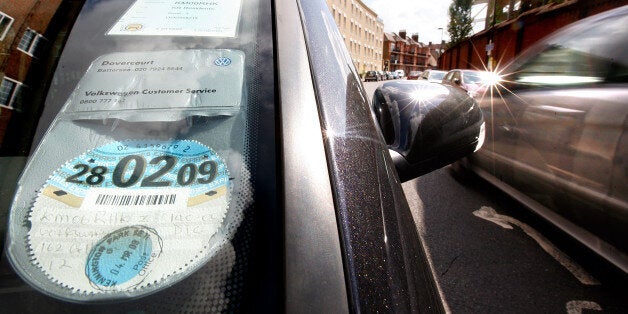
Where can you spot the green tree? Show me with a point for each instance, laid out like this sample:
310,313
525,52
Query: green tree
460,20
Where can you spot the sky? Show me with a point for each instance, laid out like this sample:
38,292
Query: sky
417,16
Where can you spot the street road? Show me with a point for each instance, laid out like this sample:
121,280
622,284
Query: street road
491,255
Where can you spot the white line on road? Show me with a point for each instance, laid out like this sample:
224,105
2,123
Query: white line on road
576,307
491,215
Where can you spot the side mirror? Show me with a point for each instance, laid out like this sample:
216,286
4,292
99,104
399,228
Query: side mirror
427,126
456,81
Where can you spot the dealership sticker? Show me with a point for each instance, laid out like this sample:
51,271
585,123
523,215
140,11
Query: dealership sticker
211,18
129,214
160,85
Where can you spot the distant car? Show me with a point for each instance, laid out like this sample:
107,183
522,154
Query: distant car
474,82
371,76
382,75
414,75
433,75
401,73
557,137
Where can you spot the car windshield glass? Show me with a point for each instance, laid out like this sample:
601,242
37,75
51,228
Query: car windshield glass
437,75
595,54
131,136
471,78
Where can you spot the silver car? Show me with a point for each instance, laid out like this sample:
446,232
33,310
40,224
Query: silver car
557,137
433,75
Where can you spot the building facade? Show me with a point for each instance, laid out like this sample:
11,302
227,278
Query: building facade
31,35
362,31
406,53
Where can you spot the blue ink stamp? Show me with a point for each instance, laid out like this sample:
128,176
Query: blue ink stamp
122,257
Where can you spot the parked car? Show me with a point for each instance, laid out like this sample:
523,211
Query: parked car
382,75
401,73
148,169
371,76
414,75
474,82
557,136
433,75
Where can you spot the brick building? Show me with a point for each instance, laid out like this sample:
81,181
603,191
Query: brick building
513,26
29,44
406,53
362,31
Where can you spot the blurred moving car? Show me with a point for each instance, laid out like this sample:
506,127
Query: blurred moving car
474,82
557,132
114,134
433,75
414,75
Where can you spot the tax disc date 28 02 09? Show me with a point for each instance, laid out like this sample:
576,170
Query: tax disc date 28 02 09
147,165
151,183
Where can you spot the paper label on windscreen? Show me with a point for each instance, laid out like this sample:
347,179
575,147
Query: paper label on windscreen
129,215
212,18
125,85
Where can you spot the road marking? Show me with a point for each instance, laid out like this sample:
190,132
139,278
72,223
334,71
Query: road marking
576,307
506,222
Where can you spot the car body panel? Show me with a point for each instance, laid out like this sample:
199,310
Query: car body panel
310,215
371,208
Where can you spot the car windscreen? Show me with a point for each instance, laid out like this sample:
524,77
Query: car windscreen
471,78
137,156
437,75
590,53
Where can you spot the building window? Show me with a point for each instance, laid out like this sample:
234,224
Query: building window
5,24
10,92
30,42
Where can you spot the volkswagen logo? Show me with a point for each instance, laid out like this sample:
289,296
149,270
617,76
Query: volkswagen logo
222,61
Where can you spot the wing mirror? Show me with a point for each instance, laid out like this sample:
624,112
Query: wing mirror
426,126
456,81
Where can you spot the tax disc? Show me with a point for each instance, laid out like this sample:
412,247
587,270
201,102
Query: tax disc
129,217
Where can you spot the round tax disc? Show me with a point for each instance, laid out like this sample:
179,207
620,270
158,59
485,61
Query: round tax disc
129,217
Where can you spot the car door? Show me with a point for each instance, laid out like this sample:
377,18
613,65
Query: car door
385,266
